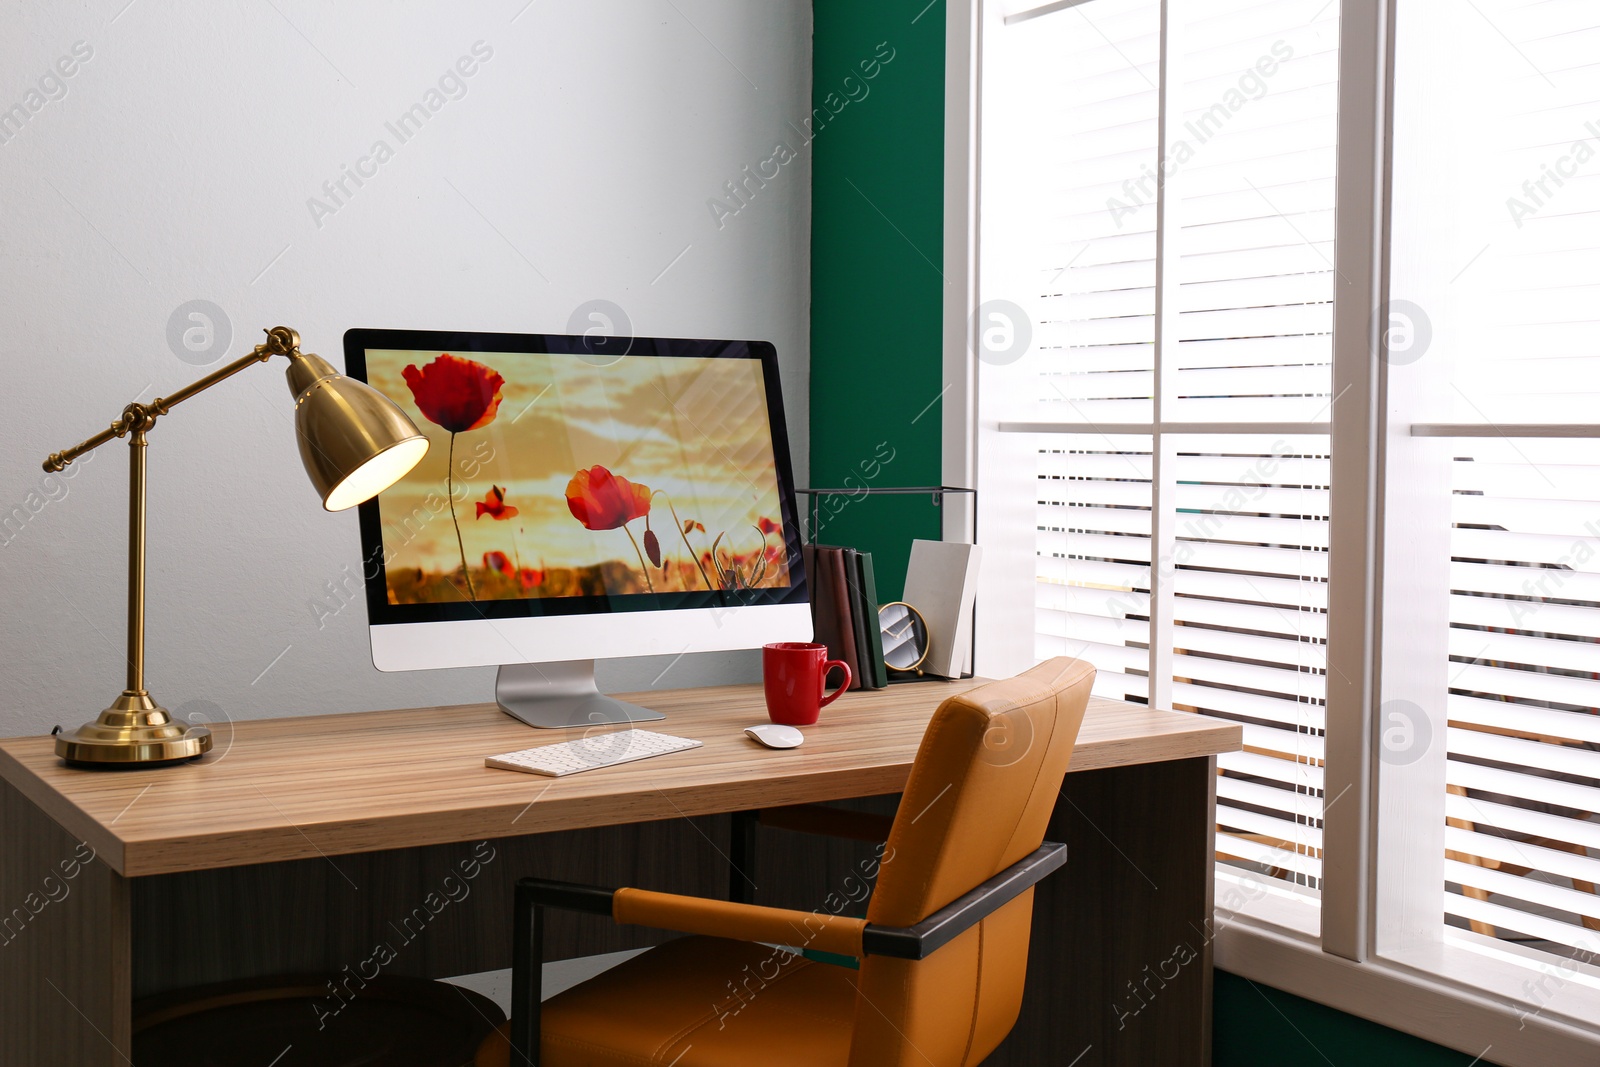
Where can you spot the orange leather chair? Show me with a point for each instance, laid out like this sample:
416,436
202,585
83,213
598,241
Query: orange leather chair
943,950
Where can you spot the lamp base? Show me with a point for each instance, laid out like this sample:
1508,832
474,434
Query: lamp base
134,731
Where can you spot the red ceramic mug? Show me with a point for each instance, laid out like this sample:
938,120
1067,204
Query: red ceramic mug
794,673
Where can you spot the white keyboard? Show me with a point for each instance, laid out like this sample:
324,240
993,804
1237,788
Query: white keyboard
590,752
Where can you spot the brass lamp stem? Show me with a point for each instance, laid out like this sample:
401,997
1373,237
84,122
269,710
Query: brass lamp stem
139,452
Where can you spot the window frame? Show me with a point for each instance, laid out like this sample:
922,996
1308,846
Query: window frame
1473,1000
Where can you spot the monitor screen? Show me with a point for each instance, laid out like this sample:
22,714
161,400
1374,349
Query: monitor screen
570,478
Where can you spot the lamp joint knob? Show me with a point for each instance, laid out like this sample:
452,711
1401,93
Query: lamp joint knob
281,341
136,418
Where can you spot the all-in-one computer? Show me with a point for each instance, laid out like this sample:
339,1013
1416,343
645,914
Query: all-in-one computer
584,498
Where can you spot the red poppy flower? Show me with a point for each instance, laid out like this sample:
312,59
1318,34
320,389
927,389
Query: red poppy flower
458,394
690,526
767,526
494,506
530,578
499,561
605,501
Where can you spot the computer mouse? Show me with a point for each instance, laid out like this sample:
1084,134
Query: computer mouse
774,736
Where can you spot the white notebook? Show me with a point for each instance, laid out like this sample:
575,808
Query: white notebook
942,584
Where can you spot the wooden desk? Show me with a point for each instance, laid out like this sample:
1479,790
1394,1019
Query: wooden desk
300,844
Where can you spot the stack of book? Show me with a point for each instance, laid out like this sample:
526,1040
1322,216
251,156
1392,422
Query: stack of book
844,612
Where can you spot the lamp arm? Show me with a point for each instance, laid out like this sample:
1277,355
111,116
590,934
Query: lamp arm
136,417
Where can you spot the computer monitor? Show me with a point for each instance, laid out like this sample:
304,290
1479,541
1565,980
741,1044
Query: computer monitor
585,498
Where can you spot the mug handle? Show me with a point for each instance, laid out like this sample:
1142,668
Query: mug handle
848,678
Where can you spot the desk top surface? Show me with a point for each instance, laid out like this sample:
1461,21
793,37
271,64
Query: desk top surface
283,789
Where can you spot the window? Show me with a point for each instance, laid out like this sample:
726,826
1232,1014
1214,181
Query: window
1177,388
1330,474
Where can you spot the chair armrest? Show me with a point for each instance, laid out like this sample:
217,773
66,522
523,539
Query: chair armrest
828,933
835,933
949,922
828,822
744,922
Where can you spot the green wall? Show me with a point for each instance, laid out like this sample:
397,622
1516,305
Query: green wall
876,290
876,367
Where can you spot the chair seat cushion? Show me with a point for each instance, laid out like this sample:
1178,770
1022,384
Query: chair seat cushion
699,1002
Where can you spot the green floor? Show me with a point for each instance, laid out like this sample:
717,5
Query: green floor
1258,1026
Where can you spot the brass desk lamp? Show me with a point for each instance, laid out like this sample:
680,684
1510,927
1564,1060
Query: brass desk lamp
355,443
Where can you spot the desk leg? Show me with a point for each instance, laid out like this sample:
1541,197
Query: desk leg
1119,967
65,965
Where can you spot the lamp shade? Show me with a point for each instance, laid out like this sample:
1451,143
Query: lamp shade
354,441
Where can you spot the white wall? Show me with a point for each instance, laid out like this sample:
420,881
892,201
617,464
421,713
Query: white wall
176,163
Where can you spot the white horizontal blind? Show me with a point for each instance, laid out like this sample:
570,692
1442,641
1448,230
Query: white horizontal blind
1093,556
1514,334
1250,217
1530,307
1524,699
1088,81
1250,641
1091,75
1255,205
1253,163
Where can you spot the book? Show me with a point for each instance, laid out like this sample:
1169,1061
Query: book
833,560
942,584
867,598
858,622
824,610
824,621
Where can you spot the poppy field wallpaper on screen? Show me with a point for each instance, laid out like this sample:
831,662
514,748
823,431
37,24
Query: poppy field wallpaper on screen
560,476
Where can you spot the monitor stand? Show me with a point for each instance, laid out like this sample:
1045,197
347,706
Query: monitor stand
559,696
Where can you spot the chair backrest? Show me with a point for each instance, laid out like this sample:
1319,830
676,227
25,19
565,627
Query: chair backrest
979,798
